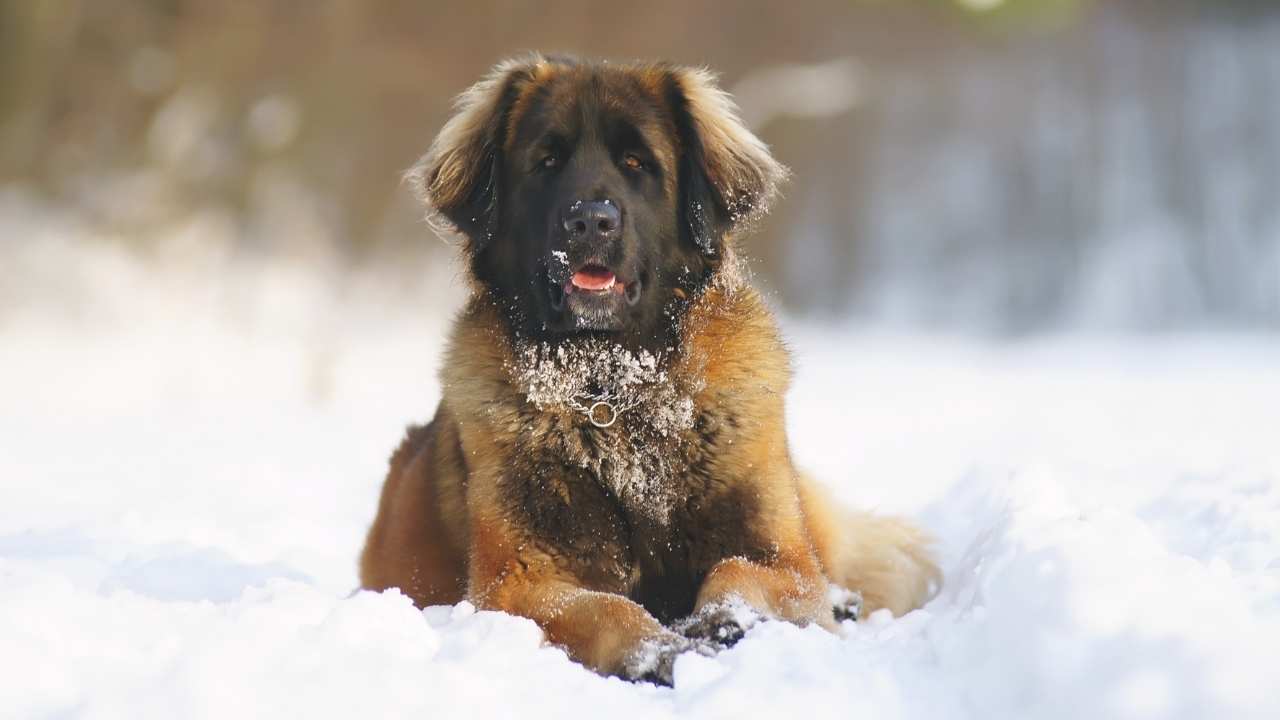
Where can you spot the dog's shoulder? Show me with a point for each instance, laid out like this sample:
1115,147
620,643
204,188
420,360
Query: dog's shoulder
732,342
475,373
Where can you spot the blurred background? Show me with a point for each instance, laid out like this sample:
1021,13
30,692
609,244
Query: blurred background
999,167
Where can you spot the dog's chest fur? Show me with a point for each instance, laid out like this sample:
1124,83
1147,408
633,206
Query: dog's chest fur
646,506
638,458
633,506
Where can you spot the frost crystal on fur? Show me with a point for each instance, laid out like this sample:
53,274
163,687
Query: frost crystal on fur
637,456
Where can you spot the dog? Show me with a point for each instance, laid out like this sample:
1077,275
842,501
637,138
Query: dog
609,456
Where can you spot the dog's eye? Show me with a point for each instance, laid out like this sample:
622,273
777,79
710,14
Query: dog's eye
548,162
633,161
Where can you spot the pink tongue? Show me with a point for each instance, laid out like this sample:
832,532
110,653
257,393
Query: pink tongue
593,278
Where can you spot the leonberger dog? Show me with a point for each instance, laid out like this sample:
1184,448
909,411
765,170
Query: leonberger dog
609,457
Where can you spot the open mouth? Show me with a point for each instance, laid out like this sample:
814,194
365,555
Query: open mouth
591,284
594,278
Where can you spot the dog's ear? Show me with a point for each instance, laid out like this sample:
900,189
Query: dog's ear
728,178
460,176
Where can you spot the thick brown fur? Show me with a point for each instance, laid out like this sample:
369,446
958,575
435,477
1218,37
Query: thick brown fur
517,502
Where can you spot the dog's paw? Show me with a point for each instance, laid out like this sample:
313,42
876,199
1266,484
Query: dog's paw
654,661
721,624
845,604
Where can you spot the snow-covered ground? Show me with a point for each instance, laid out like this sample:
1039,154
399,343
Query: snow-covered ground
191,446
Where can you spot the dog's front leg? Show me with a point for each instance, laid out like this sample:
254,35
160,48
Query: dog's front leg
737,592
604,631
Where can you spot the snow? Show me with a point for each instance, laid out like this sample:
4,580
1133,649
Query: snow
192,447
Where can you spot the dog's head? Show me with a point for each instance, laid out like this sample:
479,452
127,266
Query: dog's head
596,198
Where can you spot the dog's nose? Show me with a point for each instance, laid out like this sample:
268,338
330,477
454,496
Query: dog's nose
600,219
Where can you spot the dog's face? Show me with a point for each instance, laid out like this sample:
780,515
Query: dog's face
596,198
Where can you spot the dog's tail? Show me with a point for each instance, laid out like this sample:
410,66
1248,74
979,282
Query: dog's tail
888,560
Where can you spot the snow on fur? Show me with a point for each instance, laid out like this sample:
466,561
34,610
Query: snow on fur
600,379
